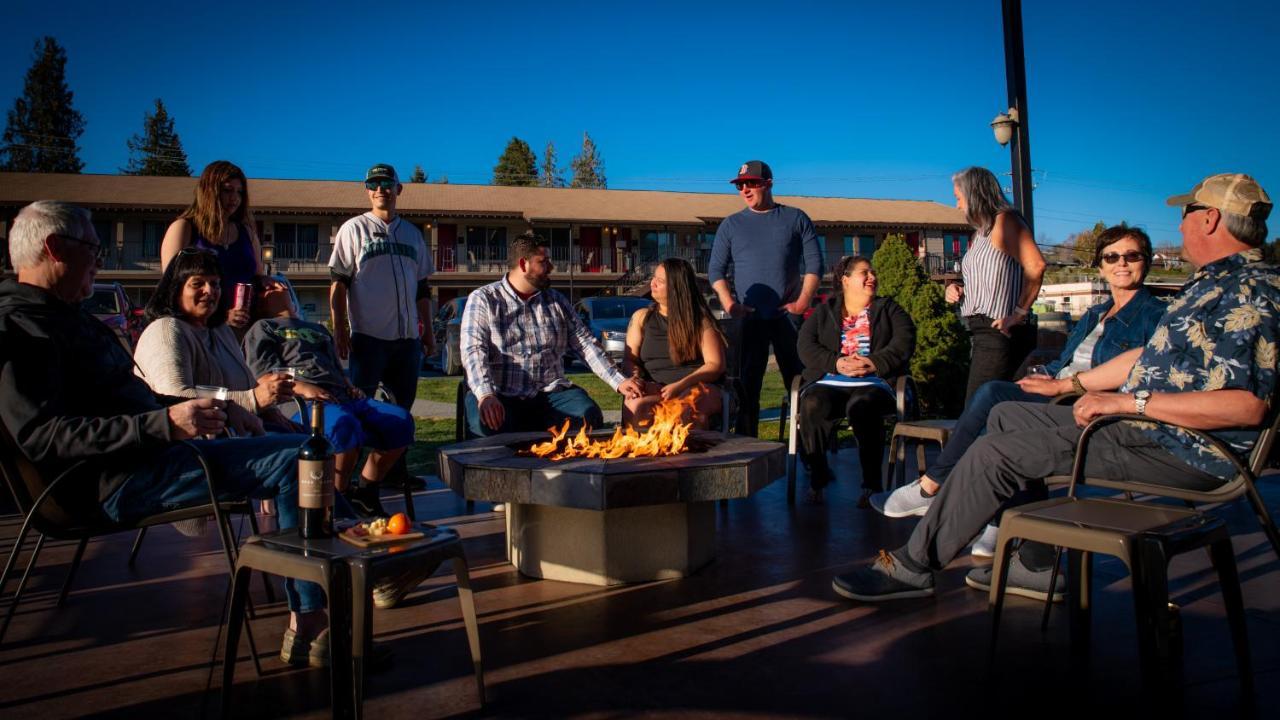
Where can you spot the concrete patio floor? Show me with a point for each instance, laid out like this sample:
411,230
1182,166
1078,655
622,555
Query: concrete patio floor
758,633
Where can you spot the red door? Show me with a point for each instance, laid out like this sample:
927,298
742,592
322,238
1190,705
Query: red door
589,246
446,248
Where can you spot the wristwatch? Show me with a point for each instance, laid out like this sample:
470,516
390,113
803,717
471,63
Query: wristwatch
1140,399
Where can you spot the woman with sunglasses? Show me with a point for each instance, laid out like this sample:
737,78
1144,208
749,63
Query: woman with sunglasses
1000,274
674,346
1125,321
219,220
187,343
857,335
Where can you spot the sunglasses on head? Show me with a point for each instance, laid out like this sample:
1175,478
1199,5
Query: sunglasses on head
384,183
1132,257
753,184
193,250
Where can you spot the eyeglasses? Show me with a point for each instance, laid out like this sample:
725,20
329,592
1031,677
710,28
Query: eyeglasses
193,250
753,184
98,249
1132,257
1188,209
384,183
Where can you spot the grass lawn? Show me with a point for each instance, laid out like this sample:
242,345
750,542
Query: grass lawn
428,436
445,390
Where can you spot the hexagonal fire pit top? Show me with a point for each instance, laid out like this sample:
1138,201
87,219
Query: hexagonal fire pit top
720,467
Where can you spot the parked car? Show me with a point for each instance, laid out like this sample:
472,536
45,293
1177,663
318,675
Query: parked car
607,316
111,305
446,326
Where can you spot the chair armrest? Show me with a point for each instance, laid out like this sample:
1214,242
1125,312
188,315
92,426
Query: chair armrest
1077,467
906,387
1067,398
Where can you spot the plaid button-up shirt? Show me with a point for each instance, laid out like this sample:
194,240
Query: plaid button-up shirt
516,347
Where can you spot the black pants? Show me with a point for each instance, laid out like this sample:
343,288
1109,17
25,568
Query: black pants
994,355
821,407
758,334
395,364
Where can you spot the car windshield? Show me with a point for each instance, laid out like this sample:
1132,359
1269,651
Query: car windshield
103,302
616,309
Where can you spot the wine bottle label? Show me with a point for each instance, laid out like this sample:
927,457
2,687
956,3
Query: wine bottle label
315,484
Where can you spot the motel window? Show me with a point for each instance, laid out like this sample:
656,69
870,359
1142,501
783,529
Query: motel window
296,241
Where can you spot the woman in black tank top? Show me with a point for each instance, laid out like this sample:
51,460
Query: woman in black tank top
674,346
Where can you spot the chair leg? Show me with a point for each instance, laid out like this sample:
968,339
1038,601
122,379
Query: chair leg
71,571
889,479
1079,585
1264,518
1151,609
235,620
1053,582
266,579
791,479
137,545
465,598
1224,561
999,577
920,459
22,584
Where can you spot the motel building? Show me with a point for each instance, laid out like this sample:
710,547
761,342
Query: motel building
602,241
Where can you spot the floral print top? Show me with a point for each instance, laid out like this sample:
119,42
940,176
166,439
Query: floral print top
1218,334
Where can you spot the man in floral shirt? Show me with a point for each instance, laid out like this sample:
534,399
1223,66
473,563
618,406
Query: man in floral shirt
1211,365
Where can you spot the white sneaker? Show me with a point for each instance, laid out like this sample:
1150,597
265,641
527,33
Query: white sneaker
906,501
985,545
499,507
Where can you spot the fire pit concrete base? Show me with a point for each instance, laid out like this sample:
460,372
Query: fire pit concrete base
604,522
626,545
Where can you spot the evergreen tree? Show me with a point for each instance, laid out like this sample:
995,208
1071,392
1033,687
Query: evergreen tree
43,127
158,149
940,363
517,165
442,180
418,176
588,166
550,175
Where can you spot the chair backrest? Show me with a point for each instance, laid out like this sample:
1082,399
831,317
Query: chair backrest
26,484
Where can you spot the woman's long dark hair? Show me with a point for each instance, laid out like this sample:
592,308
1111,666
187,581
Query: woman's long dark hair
842,270
166,301
687,312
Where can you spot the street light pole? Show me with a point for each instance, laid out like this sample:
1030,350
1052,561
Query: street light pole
1015,73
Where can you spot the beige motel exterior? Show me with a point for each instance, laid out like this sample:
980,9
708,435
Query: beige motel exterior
602,241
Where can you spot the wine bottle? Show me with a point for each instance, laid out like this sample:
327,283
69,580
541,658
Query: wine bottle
315,479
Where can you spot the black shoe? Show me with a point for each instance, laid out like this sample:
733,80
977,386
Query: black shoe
884,579
864,502
366,501
414,482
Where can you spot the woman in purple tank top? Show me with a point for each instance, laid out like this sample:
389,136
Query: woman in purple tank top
219,220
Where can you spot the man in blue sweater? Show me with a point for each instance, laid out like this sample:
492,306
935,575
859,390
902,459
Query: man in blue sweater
777,266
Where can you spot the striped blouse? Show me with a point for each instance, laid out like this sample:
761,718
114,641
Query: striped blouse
992,280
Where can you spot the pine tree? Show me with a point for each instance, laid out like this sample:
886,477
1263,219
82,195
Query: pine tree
418,176
588,166
550,175
940,362
517,165
43,127
157,150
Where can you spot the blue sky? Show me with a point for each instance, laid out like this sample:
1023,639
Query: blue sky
1128,103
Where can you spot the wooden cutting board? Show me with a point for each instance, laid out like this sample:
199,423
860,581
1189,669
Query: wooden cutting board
366,541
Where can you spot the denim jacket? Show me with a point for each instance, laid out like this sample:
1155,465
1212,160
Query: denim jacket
1130,328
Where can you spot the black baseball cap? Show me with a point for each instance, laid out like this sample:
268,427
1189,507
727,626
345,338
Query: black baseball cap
381,170
753,170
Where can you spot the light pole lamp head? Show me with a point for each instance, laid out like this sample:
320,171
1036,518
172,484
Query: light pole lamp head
1004,125
268,254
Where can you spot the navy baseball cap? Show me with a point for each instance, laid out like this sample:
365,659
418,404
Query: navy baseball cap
753,170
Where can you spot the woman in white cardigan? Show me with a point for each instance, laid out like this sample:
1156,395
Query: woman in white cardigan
187,343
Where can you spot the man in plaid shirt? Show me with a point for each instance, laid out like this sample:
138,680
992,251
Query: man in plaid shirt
515,333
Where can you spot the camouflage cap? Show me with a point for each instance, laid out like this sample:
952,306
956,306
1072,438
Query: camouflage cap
1235,193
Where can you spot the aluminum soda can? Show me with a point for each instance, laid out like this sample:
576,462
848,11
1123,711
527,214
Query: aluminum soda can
244,293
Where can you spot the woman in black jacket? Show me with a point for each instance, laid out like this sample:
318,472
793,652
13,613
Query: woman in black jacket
857,335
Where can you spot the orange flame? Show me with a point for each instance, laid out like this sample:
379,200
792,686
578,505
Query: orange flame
666,435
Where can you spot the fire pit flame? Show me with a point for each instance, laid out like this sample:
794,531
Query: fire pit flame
666,435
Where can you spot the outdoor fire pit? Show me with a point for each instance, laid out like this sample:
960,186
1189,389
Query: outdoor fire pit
609,521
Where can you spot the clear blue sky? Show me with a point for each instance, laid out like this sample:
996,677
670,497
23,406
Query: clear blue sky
1128,103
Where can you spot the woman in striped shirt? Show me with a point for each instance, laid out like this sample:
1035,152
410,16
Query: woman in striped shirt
1001,276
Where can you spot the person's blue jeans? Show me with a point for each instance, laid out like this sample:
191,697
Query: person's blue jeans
973,423
542,411
365,423
263,468
394,363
